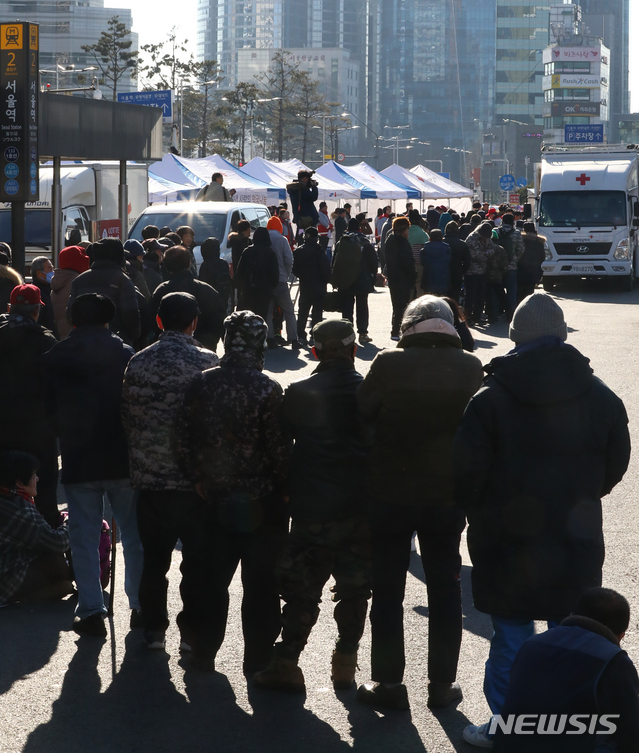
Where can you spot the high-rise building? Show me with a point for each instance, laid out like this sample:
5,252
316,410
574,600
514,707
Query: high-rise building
609,19
65,26
522,35
438,76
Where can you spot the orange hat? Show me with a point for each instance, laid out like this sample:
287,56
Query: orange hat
275,224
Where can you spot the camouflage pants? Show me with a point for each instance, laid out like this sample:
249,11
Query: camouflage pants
314,552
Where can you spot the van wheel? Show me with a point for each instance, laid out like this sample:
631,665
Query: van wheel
627,283
548,283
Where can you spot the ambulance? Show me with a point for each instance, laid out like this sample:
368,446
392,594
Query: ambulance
588,211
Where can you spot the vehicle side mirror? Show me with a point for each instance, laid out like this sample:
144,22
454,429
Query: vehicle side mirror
635,222
528,211
636,210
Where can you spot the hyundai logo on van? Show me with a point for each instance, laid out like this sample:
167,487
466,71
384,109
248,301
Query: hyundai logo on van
582,249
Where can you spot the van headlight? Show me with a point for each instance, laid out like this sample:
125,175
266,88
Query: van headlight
623,249
547,254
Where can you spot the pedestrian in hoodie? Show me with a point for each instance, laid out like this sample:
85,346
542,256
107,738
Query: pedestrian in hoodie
72,262
435,258
41,276
215,271
152,261
9,278
257,274
538,447
134,253
313,270
459,259
82,388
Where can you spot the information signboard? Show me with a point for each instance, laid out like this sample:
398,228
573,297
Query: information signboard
160,98
584,134
507,182
19,169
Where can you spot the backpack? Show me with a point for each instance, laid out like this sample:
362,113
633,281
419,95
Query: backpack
347,261
507,240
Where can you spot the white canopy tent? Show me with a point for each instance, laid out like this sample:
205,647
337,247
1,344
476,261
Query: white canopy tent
370,183
428,187
197,173
449,188
280,173
162,190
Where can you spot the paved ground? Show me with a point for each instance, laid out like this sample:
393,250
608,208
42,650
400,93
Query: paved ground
60,693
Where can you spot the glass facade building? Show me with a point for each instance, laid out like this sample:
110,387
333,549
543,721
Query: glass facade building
66,25
522,35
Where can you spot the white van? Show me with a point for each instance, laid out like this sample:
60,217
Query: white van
209,219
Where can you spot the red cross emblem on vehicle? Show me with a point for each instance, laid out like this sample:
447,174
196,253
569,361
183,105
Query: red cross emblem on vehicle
583,178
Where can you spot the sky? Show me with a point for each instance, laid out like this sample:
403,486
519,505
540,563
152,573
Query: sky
153,25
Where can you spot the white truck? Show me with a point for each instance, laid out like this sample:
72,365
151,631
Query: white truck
588,210
89,204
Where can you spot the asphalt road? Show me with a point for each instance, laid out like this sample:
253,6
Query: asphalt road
61,693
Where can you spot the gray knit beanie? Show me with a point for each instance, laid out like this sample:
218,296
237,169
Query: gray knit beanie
537,316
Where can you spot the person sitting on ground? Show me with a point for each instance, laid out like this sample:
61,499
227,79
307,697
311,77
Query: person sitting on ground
215,271
9,278
576,668
32,564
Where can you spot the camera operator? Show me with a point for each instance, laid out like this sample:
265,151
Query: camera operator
303,195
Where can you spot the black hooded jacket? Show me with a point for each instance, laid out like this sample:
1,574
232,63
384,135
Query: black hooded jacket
537,448
82,390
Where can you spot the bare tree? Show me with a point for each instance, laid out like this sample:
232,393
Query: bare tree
241,102
308,105
112,52
280,84
165,63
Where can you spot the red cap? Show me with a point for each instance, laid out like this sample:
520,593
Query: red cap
27,295
275,223
73,257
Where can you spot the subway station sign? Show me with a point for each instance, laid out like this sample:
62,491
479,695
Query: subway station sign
19,172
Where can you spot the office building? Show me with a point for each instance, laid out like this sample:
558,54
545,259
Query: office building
66,25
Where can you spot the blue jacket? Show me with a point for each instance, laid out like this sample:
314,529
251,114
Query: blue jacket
435,259
576,668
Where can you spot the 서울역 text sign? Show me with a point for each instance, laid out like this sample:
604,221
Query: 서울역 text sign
19,92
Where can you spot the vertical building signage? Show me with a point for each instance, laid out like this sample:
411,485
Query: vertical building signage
19,93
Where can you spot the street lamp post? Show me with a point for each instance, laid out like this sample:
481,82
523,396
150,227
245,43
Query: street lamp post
377,136
439,162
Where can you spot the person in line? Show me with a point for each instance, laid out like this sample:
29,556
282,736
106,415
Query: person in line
257,274
304,193
324,228
416,395
496,268
347,209
435,258
341,224
282,294
210,322
313,270
385,231
215,190
459,259
239,240
22,343
72,261
134,253
106,277
510,238
32,562
432,217
380,221
215,271
9,278
481,248
41,275
417,237
152,264
287,228
459,322
81,393
231,444
529,271
537,449
168,506
400,270
330,533
468,227
355,296
150,232
578,667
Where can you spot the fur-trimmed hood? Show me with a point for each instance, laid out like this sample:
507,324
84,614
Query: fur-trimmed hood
10,274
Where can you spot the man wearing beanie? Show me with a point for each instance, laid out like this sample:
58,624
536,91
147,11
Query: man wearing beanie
82,392
168,507
538,447
231,445
415,395
106,277
72,262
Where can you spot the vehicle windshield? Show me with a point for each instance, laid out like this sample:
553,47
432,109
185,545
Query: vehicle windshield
582,208
37,227
204,225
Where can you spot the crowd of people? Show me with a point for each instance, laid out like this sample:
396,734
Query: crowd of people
330,477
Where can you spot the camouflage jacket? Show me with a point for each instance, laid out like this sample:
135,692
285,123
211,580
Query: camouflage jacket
154,386
480,251
508,236
229,430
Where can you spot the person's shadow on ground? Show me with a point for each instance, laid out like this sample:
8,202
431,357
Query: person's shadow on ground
29,635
